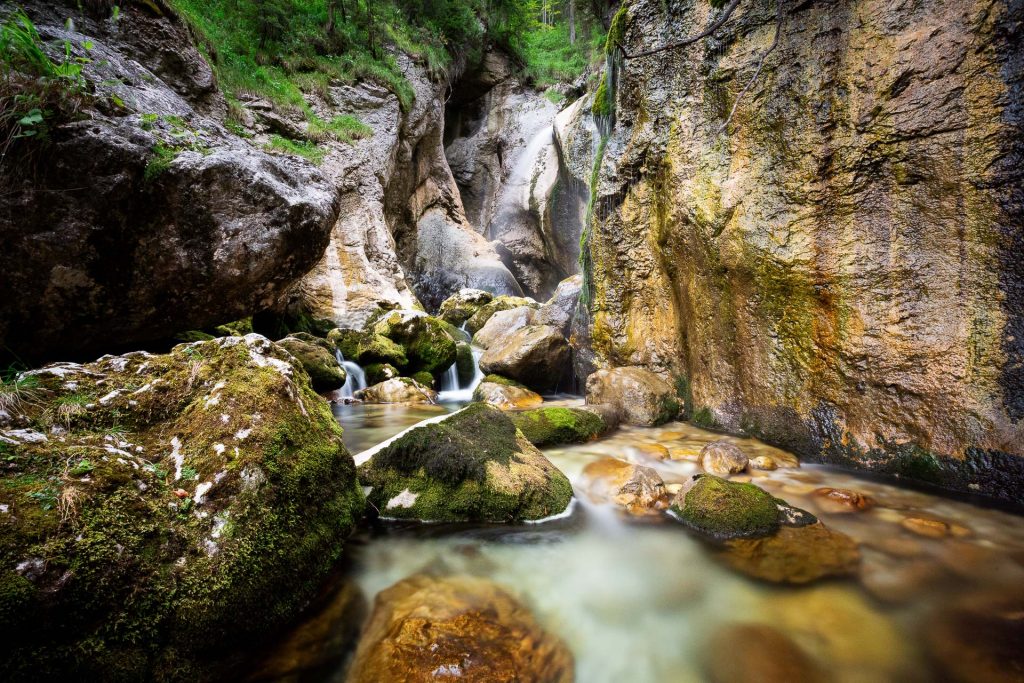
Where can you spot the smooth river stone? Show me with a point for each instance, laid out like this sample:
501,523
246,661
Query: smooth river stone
794,555
741,653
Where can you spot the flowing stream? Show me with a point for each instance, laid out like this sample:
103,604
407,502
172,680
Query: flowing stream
639,600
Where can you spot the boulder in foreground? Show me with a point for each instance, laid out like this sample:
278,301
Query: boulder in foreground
473,465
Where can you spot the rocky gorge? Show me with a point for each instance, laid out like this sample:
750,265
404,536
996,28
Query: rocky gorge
367,346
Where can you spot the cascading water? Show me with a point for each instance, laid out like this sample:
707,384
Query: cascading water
356,378
451,379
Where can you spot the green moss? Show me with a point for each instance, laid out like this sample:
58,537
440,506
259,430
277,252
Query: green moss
723,509
551,426
319,363
424,378
604,100
503,381
302,148
367,348
427,344
500,303
379,372
617,30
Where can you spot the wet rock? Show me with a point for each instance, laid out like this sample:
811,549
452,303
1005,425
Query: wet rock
978,641
397,390
503,323
367,347
794,554
505,394
740,653
929,528
839,501
499,303
465,364
552,426
473,465
648,451
722,509
427,628
636,488
459,307
233,424
763,462
318,362
380,372
609,414
641,397
559,310
898,581
425,340
536,355
722,458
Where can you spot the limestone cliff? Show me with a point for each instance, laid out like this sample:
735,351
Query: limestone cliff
837,267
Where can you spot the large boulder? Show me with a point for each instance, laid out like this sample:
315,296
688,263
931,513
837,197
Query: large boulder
559,310
503,323
367,347
184,226
505,394
425,339
459,307
473,465
397,390
536,355
642,397
499,303
161,510
427,628
318,362
558,425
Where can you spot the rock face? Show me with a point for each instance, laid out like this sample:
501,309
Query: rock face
424,628
536,355
641,397
198,497
224,230
502,152
837,270
473,465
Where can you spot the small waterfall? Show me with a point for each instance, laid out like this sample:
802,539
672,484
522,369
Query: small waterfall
356,378
451,378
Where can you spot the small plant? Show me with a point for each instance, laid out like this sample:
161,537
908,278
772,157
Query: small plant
305,149
189,473
82,468
159,162
46,497
344,128
156,469
18,393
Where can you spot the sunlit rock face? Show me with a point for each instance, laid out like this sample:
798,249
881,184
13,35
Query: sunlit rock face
147,217
837,270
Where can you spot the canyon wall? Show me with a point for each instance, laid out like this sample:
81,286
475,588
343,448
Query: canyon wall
836,268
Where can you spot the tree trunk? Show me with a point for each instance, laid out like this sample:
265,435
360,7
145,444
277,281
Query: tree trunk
572,22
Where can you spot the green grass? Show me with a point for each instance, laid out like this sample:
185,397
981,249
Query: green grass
344,128
307,150
554,97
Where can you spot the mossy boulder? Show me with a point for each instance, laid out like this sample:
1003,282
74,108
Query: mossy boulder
367,348
459,307
464,363
427,343
380,372
161,510
473,465
316,359
724,510
424,378
551,426
500,303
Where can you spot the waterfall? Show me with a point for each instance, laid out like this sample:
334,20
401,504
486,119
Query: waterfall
451,379
355,377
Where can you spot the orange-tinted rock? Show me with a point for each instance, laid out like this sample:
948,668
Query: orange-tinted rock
722,458
839,501
638,489
929,528
794,555
742,653
425,628
980,642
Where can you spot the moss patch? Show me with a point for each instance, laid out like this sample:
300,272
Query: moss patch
551,426
723,509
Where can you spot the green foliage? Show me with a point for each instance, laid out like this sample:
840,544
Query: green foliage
549,57
307,150
604,99
554,97
617,30
344,128
160,161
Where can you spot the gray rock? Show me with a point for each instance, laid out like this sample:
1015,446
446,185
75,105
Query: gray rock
722,458
536,355
501,324
641,397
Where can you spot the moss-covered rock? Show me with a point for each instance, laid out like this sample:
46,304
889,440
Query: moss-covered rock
472,466
500,303
367,348
722,509
459,307
380,372
189,503
427,343
317,360
424,378
550,426
465,363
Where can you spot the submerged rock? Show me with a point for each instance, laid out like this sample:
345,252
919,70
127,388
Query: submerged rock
536,355
426,628
741,653
183,505
642,397
799,554
636,488
506,394
473,465
838,501
459,307
979,640
551,426
722,458
317,360
397,390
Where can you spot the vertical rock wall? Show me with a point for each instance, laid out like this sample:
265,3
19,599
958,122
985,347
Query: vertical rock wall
838,269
